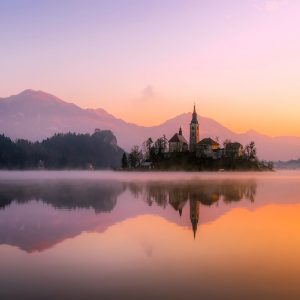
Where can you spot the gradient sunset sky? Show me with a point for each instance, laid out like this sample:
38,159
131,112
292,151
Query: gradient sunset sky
148,61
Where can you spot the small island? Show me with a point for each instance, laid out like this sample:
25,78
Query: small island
206,154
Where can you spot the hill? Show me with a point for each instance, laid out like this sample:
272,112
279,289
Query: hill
62,151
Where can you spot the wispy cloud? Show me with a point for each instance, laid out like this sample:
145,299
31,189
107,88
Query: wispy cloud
148,92
270,5
146,95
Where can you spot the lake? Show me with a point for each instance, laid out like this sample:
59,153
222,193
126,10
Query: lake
118,235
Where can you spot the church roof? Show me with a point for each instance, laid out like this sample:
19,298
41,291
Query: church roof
208,141
194,117
177,138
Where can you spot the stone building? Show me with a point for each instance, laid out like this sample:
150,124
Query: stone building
233,150
178,143
208,148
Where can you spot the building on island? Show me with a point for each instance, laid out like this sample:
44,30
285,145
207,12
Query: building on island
194,131
178,143
233,150
208,148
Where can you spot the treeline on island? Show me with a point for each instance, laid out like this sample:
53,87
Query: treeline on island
156,155
293,164
62,151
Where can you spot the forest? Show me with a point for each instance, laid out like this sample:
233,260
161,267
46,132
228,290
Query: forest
62,151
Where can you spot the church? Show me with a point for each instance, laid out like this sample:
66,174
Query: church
205,148
178,143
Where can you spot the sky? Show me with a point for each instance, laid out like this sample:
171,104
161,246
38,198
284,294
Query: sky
148,61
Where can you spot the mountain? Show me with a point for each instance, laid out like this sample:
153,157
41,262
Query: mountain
35,115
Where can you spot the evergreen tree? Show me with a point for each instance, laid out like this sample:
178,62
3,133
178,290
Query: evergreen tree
124,161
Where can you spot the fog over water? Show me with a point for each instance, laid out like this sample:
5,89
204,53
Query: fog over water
144,176
145,235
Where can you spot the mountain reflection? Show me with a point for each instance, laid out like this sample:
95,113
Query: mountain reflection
26,222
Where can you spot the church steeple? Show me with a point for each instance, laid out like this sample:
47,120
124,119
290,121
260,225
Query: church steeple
194,116
194,214
194,131
180,131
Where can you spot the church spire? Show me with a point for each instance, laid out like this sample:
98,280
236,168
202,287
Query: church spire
194,225
194,214
194,131
180,131
194,116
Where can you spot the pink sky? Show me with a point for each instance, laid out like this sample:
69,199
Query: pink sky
147,61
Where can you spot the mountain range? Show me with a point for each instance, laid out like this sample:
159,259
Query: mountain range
35,115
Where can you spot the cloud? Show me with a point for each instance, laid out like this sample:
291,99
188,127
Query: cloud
270,5
147,95
148,92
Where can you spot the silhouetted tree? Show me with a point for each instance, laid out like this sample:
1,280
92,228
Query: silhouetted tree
147,145
160,145
135,156
226,142
124,161
250,151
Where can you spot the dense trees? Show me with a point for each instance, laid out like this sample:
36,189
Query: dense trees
149,152
156,155
76,151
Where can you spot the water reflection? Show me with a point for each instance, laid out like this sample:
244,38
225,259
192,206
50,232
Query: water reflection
133,239
27,219
101,196
204,192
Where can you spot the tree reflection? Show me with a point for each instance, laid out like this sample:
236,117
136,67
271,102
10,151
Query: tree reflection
101,196
207,193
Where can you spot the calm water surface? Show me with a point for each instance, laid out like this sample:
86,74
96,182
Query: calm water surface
108,235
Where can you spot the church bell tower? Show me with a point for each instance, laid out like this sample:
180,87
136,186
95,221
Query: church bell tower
194,131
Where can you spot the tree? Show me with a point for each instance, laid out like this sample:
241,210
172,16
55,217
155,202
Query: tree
124,161
250,151
226,142
161,144
135,156
147,146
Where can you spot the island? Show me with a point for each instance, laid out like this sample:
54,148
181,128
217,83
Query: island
206,154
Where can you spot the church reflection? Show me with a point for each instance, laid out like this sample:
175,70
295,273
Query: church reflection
194,214
206,193
37,215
